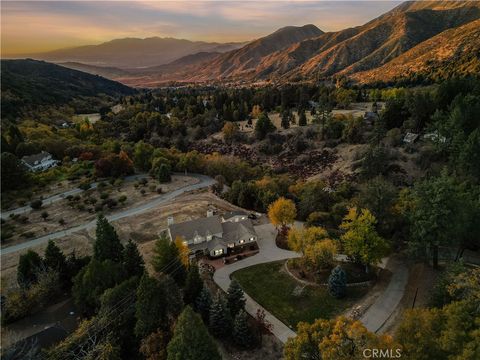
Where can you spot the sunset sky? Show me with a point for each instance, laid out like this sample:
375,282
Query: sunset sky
35,26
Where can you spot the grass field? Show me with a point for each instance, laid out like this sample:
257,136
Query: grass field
272,288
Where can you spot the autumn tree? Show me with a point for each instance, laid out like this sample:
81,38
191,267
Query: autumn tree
230,131
336,339
107,245
282,213
301,238
191,340
360,239
154,346
321,254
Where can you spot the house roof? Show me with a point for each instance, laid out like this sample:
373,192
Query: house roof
203,226
32,159
230,214
233,231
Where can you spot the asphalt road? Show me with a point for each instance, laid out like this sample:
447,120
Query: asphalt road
61,196
204,181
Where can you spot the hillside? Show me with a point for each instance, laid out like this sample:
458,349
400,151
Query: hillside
31,82
452,52
134,53
246,59
345,52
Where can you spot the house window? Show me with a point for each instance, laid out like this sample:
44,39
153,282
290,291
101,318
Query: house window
231,245
252,239
209,237
217,252
241,241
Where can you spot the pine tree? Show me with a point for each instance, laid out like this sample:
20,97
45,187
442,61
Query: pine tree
149,307
203,304
133,263
285,122
235,298
28,266
54,258
220,318
242,331
337,282
167,260
107,244
191,340
302,119
193,285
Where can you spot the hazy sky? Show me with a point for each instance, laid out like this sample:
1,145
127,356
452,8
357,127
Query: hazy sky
33,26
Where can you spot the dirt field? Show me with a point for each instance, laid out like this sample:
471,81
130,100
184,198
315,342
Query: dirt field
81,208
143,229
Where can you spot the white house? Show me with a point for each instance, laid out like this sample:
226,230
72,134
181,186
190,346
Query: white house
214,235
39,162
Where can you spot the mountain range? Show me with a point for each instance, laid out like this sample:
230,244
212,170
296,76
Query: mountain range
428,38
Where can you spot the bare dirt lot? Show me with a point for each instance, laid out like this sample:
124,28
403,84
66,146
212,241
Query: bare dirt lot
143,228
83,207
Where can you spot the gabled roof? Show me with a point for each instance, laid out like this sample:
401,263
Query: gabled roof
32,159
203,227
230,214
233,231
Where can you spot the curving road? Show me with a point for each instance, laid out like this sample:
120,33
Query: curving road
204,181
61,196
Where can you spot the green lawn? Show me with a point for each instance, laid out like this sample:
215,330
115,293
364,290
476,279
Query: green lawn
273,289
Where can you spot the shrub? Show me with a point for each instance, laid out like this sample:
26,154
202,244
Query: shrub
159,190
122,199
104,195
337,283
85,186
36,204
44,215
142,191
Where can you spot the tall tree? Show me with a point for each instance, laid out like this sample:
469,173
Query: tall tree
360,240
133,263
337,282
220,318
191,340
193,285
107,244
242,332
235,298
166,259
13,172
28,267
282,212
203,304
263,126
54,258
437,216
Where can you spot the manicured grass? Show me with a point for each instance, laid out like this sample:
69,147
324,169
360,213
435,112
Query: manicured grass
272,288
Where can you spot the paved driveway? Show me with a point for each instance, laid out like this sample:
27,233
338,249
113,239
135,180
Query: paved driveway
381,310
268,252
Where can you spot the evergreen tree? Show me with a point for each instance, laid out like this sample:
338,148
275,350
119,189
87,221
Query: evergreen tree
13,172
158,304
242,331
150,306
285,122
54,258
107,244
163,173
28,266
191,340
203,304
133,263
337,282
167,260
193,285
235,298
263,126
302,119
220,318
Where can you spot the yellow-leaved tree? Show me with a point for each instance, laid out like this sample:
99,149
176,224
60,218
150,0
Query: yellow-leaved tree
361,240
336,339
282,212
